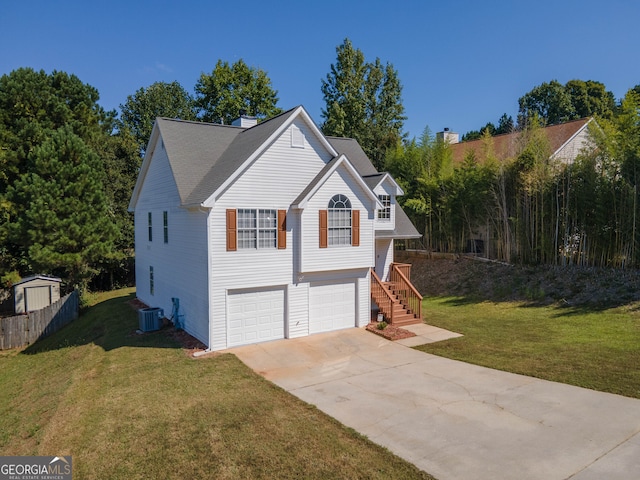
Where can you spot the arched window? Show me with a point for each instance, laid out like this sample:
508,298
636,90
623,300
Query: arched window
339,220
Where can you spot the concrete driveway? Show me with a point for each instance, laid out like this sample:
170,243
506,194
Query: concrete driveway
455,420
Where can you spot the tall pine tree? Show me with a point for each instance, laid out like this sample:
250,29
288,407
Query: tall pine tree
64,226
363,101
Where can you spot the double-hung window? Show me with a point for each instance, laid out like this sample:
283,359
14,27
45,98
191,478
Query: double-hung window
165,222
385,212
257,228
339,220
150,225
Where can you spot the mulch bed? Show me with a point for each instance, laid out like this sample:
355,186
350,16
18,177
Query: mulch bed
390,332
189,344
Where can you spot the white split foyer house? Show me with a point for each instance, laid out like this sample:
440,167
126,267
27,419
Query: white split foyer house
264,230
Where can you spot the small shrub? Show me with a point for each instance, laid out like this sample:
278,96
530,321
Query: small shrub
381,325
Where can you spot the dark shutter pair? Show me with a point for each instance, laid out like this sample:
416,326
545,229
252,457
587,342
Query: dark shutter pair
232,229
324,228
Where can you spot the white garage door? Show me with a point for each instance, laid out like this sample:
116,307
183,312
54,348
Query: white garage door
332,306
255,316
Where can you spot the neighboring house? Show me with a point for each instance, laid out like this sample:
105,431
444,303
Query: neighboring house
35,292
566,141
262,231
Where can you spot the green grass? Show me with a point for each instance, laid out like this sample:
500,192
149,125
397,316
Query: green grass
599,350
137,407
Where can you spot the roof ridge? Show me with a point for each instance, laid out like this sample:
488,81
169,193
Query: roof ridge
519,131
200,122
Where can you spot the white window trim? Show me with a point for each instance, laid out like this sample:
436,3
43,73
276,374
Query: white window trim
340,235
259,231
384,213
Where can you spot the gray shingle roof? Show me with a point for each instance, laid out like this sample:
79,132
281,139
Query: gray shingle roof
203,156
353,151
194,149
404,227
245,144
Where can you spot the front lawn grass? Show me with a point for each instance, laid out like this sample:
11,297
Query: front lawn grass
137,407
599,350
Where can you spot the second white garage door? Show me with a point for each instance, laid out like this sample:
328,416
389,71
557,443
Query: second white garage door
255,316
332,306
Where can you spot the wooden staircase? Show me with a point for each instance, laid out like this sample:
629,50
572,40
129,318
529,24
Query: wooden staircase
398,300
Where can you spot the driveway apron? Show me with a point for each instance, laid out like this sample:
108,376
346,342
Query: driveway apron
452,419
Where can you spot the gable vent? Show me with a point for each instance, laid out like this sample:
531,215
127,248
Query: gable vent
297,137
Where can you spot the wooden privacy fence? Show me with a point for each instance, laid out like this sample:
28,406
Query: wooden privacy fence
25,329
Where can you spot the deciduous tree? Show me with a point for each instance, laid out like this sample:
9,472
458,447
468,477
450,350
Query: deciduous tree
160,99
229,90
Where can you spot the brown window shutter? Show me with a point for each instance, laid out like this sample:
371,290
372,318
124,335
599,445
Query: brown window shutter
232,231
355,228
282,229
324,230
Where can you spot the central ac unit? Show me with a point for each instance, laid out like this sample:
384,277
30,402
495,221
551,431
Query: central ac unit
150,319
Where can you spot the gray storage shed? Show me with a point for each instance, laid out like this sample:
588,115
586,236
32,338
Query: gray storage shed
35,292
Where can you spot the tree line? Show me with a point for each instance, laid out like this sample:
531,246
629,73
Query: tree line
68,167
531,208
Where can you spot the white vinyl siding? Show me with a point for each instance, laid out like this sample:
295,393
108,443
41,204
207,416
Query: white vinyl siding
180,266
384,257
223,293
263,186
298,299
386,218
316,259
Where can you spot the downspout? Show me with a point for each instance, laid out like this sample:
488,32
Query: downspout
207,211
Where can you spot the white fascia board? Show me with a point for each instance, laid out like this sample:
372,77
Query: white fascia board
314,128
144,168
341,161
387,177
299,111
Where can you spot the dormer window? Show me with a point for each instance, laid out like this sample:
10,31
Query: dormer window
385,212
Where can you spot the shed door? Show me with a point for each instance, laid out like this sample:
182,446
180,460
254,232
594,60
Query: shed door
36,298
255,316
332,305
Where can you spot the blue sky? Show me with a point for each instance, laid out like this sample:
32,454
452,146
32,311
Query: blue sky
461,63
